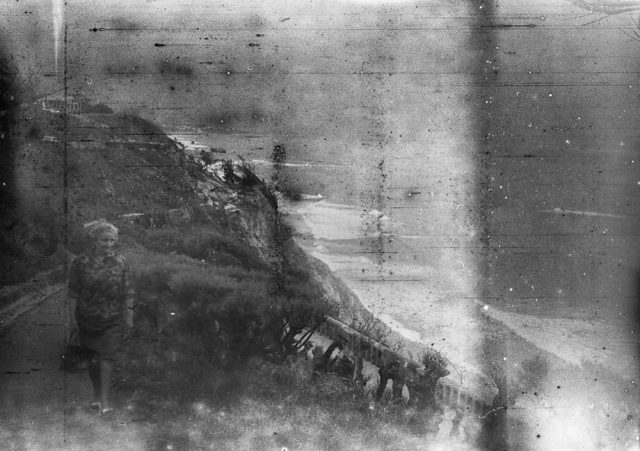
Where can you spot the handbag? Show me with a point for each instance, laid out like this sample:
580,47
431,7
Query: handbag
74,357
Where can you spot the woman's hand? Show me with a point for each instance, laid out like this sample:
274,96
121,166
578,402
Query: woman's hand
128,312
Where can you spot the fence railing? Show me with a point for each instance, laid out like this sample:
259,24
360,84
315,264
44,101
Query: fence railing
356,343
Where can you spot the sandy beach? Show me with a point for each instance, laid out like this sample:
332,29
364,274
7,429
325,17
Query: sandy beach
434,306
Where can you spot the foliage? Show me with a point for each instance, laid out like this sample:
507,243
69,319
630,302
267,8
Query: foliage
434,363
235,407
237,174
375,329
27,244
423,386
302,310
221,314
207,245
513,380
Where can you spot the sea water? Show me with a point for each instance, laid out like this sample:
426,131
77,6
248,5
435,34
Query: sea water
409,250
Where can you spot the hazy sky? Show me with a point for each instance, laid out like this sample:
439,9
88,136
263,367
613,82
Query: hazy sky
391,90
256,65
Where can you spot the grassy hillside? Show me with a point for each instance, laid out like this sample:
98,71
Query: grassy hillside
222,291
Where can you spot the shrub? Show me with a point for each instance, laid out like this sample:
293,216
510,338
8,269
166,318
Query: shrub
375,329
224,314
511,381
302,311
207,245
422,388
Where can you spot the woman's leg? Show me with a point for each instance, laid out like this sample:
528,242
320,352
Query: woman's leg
108,345
94,375
106,370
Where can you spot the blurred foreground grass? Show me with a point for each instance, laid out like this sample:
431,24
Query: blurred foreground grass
267,406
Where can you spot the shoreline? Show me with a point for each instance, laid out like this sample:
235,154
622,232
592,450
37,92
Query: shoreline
450,325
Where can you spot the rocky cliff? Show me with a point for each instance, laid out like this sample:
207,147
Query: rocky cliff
168,204
71,170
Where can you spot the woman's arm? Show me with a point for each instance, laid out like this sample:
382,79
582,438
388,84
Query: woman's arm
73,289
129,297
72,302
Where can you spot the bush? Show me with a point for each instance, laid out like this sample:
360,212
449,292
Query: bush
224,314
302,311
423,387
512,381
206,245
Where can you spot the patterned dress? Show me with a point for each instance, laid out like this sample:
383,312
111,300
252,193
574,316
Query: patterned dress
101,289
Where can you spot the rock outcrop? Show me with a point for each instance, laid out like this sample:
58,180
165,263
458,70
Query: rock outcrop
129,171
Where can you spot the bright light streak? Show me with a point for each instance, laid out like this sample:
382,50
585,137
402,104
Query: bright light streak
57,10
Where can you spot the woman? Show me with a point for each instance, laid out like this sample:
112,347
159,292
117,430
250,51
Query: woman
99,290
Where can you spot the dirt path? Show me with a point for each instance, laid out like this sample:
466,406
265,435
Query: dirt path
43,408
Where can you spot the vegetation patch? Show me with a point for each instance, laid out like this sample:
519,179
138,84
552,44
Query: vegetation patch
225,301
